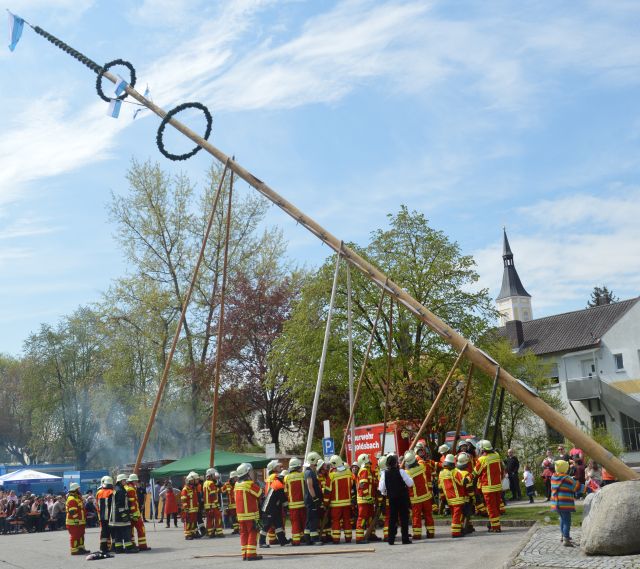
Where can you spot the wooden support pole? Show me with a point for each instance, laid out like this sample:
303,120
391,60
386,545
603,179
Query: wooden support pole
323,551
359,386
220,340
494,436
350,338
434,405
176,336
465,398
492,402
482,360
388,384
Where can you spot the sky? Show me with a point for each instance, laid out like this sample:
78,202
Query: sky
481,115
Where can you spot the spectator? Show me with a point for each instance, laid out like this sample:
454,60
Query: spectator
547,473
156,500
168,494
579,474
563,489
593,477
512,467
58,513
4,526
91,512
395,484
562,454
529,483
607,477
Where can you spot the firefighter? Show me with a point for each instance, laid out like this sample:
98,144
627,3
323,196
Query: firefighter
383,502
465,476
102,500
190,504
340,499
228,489
420,494
136,516
489,472
211,492
313,496
325,523
454,490
76,519
273,470
366,498
120,517
294,487
247,493
272,508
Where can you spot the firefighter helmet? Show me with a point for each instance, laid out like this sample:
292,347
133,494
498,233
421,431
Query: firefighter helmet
320,464
133,477
444,449
313,458
283,473
273,465
363,459
382,462
74,487
295,463
212,472
485,445
243,469
409,457
462,443
102,481
121,478
233,474
471,443
192,476
462,460
421,444
107,481
450,459
336,461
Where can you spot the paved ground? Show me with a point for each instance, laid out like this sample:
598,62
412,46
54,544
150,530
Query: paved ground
170,551
544,550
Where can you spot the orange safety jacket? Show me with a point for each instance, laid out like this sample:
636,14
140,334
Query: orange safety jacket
228,489
421,489
189,499
102,498
76,515
247,493
325,487
464,478
454,490
211,492
294,487
489,471
134,507
366,489
340,488
270,479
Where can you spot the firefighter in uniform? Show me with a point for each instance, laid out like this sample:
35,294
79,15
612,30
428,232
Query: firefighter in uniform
273,470
228,489
489,472
137,522
322,472
76,519
455,492
189,499
211,490
272,509
294,487
340,499
366,497
420,494
383,501
247,493
120,517
102,501
464,474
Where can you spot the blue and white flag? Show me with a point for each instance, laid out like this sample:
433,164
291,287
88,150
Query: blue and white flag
15,30
121,85
147,95
114,108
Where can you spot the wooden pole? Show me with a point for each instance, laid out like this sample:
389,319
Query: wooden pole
436,401
492,401
219,343
362,372
465,397
386,390
323,357
322,551
176,336
494,436
482,360
350,336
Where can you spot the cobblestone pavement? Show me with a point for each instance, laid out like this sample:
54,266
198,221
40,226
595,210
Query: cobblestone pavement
545,550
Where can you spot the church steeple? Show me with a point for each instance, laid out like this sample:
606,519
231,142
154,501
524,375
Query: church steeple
514,302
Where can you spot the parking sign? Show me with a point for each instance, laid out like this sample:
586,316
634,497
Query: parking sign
328,447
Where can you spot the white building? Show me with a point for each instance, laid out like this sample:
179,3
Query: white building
595,354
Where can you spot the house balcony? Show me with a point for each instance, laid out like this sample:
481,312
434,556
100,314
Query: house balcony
583,388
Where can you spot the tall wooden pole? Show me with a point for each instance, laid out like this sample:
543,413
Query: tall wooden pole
350,337
386,390
220,341
481,360
176,336
494,435
465,397
492,401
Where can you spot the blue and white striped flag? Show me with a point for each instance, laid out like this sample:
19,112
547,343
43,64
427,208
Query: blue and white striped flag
121,85
15,30
147,95
114,108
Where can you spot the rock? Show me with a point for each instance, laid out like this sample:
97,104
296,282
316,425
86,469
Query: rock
611,521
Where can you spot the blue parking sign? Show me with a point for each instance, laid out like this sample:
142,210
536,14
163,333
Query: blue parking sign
328,447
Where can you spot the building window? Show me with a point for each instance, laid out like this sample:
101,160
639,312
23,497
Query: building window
598,422
619,361
630,433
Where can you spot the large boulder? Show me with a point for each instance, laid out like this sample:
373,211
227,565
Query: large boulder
611,520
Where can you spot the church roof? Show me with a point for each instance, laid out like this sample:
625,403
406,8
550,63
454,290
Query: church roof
511,283
571,331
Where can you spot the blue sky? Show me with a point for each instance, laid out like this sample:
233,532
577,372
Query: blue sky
479,114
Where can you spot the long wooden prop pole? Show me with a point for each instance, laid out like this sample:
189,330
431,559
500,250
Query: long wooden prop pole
496,424
388,385
350,337
436,401
482,360
465,398
219,343
176,336
492,402
356,397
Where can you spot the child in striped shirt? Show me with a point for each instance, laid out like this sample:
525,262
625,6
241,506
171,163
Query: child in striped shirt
563,489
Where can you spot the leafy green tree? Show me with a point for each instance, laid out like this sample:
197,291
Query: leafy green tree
601,296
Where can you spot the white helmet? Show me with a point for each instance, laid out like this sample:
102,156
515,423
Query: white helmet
485,445
273,465
74,486
421,445
243,469
283,473
363,459
313,458
133,478
295,463
192,476
444,449
450,459
409,457
212,472
336,461
382,462
320,464
107,481
462,460
102,481
233,474
121,478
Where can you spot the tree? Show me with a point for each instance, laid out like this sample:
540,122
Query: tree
601,296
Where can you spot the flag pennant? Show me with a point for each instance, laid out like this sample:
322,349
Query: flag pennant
121,85
15,30
147,95
114,108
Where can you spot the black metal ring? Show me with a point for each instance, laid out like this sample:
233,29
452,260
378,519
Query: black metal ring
166,120
108,66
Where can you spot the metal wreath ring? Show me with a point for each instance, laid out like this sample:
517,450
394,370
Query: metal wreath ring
106,68
166,120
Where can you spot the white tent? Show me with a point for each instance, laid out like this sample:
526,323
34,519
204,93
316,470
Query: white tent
27,475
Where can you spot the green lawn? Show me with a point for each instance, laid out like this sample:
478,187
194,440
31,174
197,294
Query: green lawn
542,514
